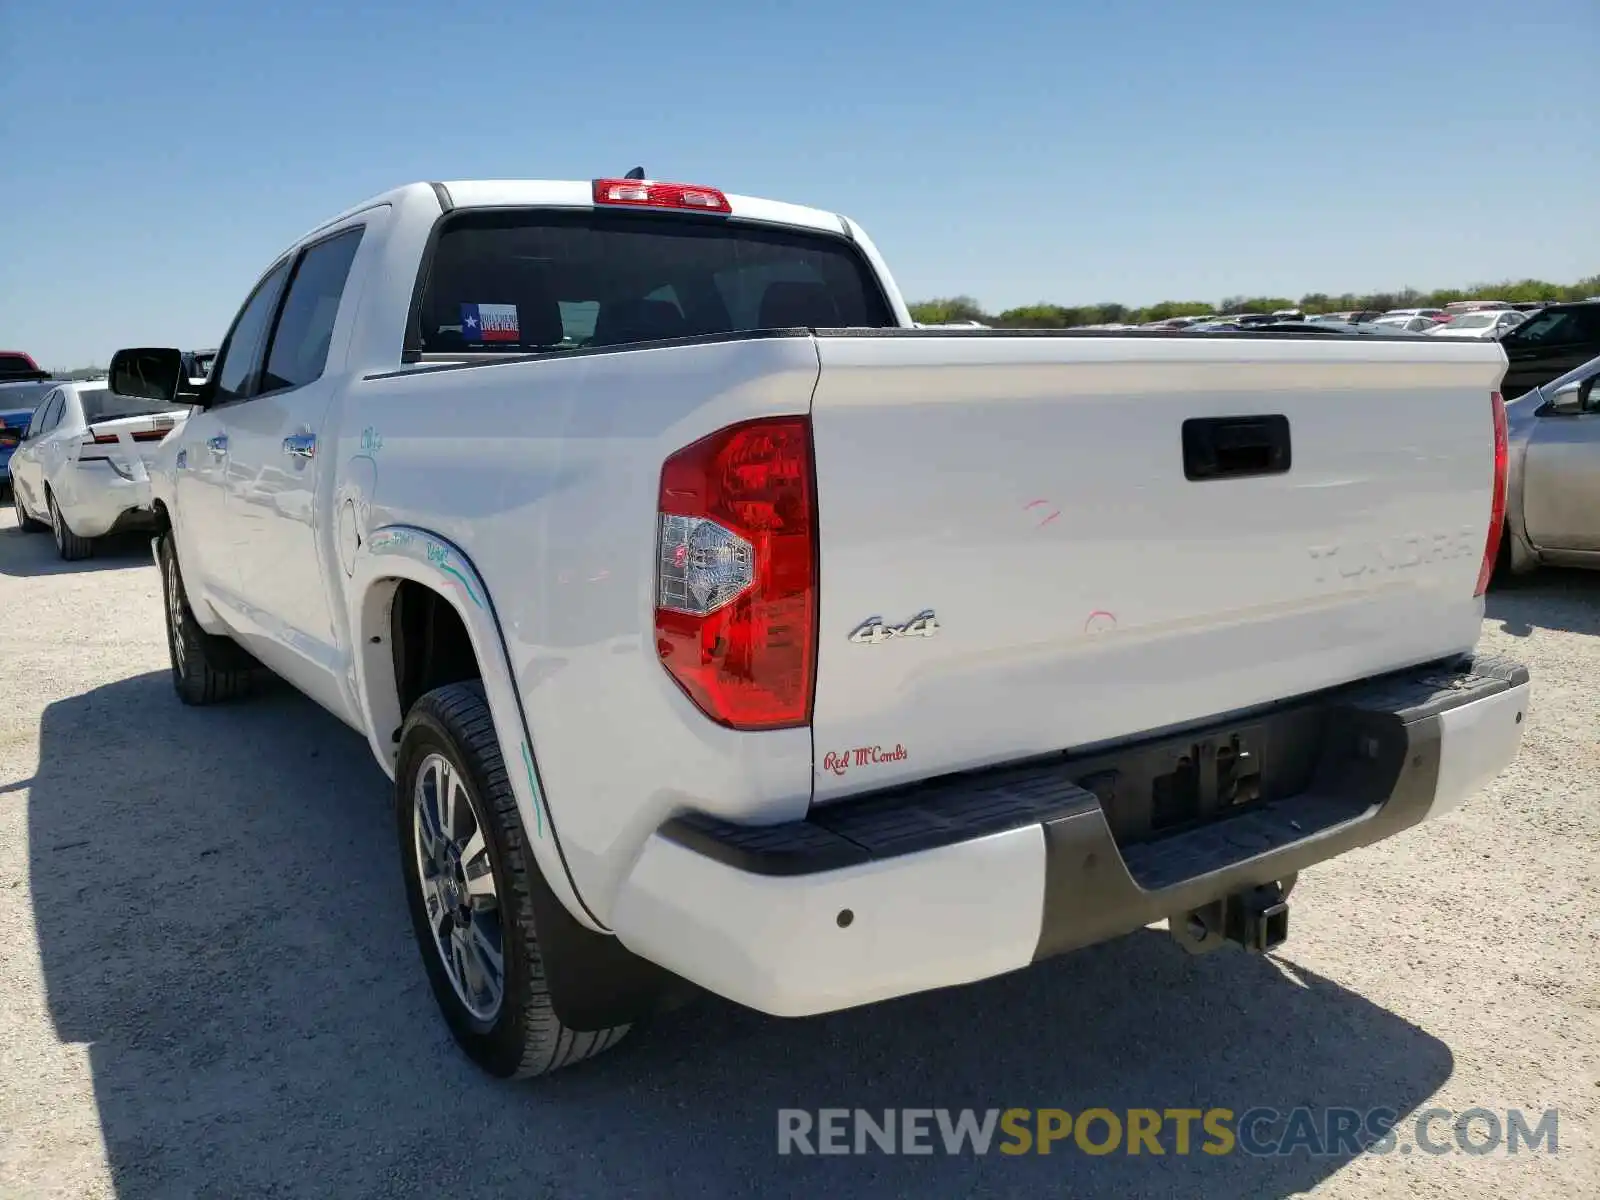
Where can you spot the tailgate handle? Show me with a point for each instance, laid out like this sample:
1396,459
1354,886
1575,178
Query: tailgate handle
1235,447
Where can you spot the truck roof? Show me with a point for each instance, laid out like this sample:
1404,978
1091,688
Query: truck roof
576,193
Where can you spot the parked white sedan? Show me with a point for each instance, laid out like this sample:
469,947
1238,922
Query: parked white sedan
1484,326
1412,324
81,468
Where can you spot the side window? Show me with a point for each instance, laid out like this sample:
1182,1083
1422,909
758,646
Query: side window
1549,329
52,413
36,422
1588,322
305,327
578,319
240,365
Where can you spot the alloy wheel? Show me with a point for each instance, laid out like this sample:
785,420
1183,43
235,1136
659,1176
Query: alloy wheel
458,887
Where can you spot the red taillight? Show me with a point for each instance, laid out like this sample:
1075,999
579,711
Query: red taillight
645,193
105,439
1497,505
736,573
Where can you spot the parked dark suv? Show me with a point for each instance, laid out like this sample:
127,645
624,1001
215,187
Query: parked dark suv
1550,343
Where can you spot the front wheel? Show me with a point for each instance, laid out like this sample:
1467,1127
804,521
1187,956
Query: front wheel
206,668
69,545
468,874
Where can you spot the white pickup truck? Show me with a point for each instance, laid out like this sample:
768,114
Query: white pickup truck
721,629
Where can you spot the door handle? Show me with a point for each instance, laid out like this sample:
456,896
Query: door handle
1235,447
218,445
301,445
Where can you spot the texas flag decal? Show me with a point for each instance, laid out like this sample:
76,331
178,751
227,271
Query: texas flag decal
490,323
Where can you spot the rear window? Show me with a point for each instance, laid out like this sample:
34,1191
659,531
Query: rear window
102,404
15,396
540,280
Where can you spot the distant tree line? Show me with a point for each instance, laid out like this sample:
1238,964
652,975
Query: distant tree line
1060,316
79,373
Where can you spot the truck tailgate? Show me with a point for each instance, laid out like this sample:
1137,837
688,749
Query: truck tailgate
1115,536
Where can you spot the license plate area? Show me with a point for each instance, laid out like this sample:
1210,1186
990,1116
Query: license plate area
1177,783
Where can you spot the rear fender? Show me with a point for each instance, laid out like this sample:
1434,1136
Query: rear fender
401,552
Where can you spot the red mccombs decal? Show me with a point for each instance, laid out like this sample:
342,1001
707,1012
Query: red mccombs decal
862,756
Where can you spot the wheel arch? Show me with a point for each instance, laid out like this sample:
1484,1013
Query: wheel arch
1522,554
390,557
199,603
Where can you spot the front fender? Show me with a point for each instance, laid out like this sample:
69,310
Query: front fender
401,552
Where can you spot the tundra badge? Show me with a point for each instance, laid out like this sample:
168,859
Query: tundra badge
873,630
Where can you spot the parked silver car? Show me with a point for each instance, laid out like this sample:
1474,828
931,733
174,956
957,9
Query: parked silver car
1553,490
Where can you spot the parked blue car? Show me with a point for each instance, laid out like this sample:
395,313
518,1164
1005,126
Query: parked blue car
18,399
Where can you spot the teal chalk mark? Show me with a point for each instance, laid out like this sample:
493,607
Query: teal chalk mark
462,579
538,813
371,440
390,540
437,555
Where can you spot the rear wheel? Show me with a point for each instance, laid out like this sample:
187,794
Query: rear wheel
68,544
469,879
206,668
24,522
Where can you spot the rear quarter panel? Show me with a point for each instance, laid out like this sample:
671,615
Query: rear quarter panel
545,476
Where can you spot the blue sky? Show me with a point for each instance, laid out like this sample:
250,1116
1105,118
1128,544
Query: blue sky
159,155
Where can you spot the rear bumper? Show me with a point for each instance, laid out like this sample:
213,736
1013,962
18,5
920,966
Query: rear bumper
104,503
964,878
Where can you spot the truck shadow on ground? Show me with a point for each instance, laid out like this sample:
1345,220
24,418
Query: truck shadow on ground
220,921
30,554
1562,600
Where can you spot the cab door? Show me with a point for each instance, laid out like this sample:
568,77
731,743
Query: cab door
205,540
274,470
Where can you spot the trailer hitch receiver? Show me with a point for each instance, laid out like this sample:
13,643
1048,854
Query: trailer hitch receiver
1256,918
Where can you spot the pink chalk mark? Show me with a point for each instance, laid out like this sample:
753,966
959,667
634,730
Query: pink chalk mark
1107,620
1036,504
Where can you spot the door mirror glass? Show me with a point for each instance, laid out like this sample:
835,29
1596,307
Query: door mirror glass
148,374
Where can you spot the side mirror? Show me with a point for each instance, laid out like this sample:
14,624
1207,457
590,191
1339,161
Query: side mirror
149,373
1572,399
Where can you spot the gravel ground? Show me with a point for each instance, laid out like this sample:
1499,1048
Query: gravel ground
208,985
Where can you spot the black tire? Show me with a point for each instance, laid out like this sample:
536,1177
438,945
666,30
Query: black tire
69,545
523,1037
206,668
24,522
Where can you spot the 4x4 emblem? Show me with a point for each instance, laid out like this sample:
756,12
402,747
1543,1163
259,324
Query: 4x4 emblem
873,630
